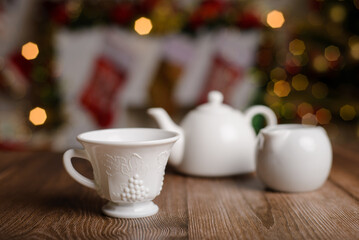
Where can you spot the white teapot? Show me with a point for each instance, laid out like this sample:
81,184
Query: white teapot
216,140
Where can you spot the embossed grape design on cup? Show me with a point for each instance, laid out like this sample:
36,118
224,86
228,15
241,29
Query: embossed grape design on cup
135,191
128,165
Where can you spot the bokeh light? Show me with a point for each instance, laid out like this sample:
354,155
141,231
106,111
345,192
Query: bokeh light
356,3
320,90
275,19
297,47
304,108
281,88
337,13
354,46
270,99
37,116
269,88
288,111
332,53
276,107
300,82
309,119
320,64
323,116
347,112
29,51
143,26
278,74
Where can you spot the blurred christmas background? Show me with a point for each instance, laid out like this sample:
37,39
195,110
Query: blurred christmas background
73,66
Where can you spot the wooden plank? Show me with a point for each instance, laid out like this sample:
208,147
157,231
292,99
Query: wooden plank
345,170
39,200
242,208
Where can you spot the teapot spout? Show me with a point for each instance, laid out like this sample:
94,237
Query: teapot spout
165,122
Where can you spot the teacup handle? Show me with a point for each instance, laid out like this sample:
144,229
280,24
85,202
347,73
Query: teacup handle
68,155
268,114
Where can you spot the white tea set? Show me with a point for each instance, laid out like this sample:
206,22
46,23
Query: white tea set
213,140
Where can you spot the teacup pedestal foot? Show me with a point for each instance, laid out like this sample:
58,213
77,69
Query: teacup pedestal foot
130,210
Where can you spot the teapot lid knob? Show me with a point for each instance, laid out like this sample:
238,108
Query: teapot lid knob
215,97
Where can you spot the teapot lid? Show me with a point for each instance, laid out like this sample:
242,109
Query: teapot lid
215,104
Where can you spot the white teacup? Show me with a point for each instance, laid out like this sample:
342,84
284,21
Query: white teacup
128,166
293,157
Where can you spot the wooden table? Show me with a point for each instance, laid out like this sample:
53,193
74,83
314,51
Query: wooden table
38,200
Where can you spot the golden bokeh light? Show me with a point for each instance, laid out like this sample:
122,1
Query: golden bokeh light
296,47
309,119
270,99
37,116
288,111
300,82
356,3
29,51
320,90
304,108
278,74
323,116
332,53
354,51
269,88
337,13
275,19
354,46
353,40
276,107
347,112
143,26
320,64
281,88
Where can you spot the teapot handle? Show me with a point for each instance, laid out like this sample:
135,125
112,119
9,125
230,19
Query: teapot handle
268,114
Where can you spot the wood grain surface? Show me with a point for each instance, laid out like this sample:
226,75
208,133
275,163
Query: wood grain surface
39,200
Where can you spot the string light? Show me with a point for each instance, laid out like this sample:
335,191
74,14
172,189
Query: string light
356,4
304,108
29,51
281,88
300,82
270,99
275,19
278,74
143,26
323,116
309,119
276,107
288,111
332,53
37,116
319,90
347,112
296,47
354,46
269,88
337,13
320,64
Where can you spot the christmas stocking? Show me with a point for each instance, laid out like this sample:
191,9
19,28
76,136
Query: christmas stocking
177,51
222,77
100,94
233,54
